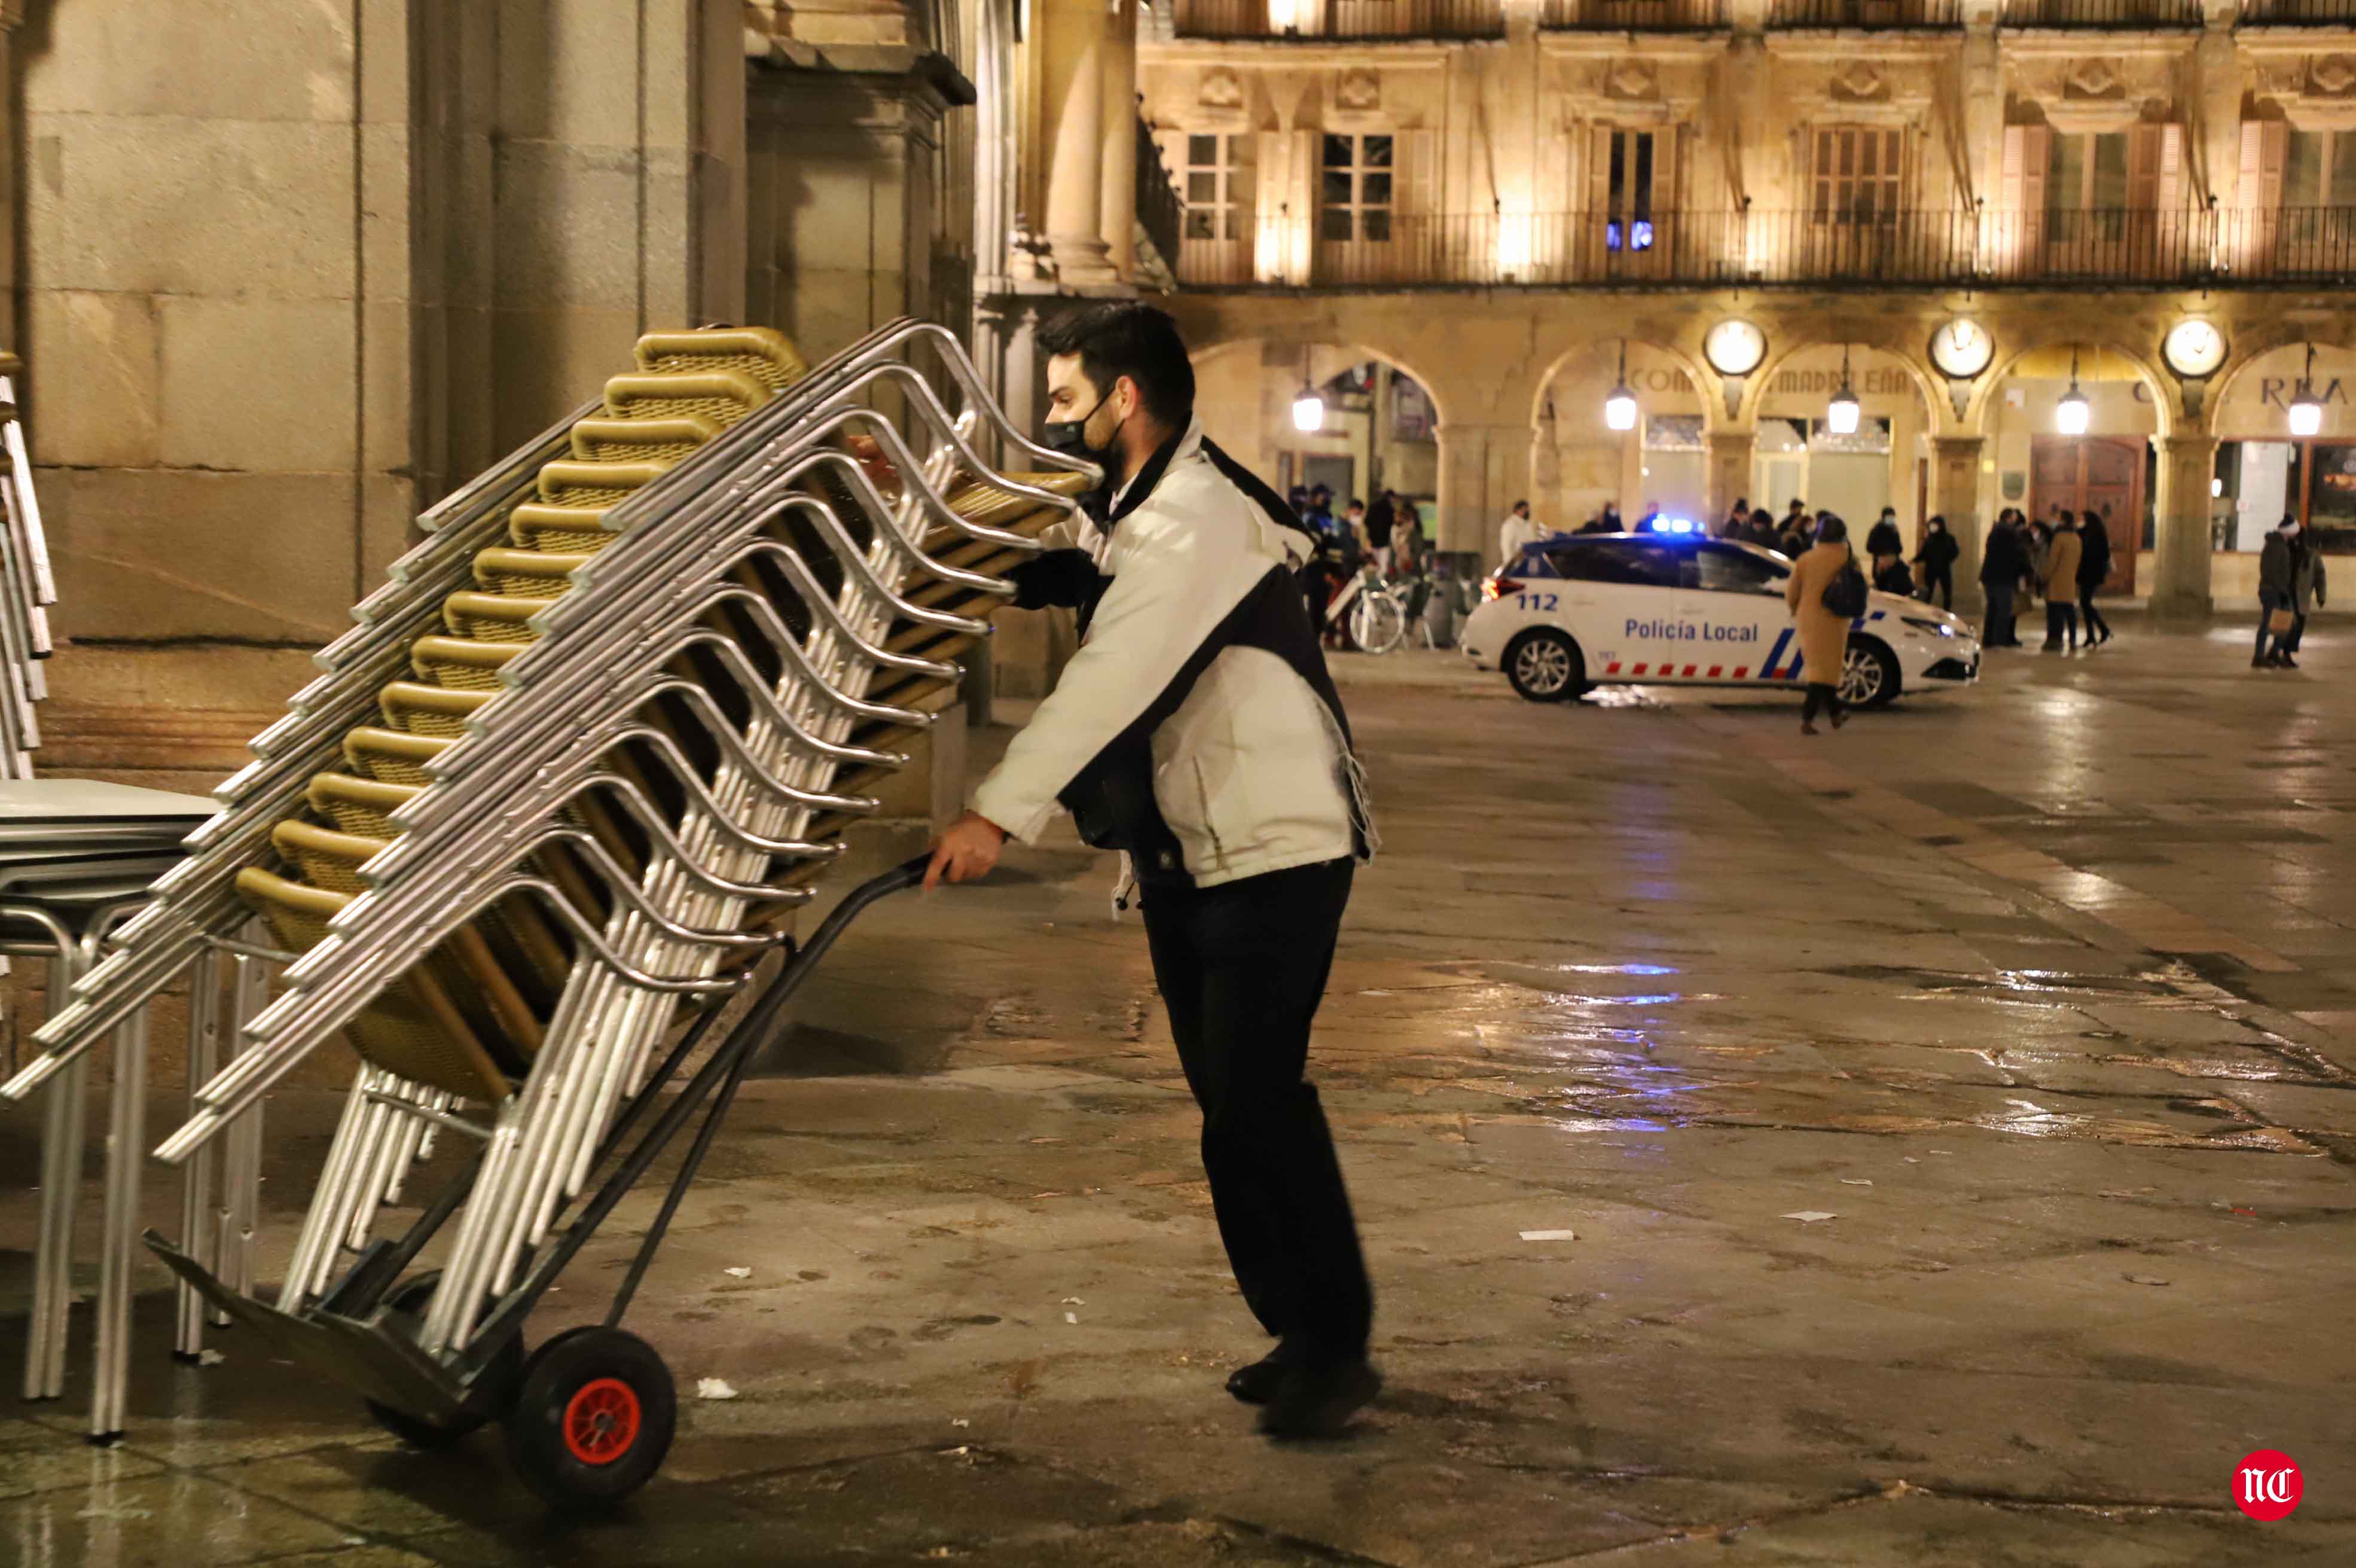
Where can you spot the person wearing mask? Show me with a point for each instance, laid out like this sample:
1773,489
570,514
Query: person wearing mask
2003,566
1824,632
1936,558
2093,569
2305,592
1762,529
1196,663
1884,545
2277,570
2058,581
1515,532
1738,521
1354,523
1378,523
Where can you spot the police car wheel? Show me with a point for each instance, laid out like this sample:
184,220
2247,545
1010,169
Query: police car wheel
1868,675
1544,666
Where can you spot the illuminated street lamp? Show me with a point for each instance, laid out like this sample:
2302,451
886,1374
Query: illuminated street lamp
2306,408
1840,415
1308,409
1620,407
2070,414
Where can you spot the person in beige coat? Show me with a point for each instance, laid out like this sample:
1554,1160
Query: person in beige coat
1824,635
2061,581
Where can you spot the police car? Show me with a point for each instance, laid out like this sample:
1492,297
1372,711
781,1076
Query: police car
1581,611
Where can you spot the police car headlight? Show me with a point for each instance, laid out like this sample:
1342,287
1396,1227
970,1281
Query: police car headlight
1935,628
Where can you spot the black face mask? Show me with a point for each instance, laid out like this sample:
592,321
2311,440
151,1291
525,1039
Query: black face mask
1069,437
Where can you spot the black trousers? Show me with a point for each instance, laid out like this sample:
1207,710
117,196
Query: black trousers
1242,968
1939,587
2060,615
2095,625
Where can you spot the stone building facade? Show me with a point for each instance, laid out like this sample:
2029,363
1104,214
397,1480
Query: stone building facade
286,272
1520,203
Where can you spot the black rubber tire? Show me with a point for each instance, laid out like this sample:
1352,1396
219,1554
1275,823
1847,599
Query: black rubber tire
1536,685
1871,651
585,1390
409,1298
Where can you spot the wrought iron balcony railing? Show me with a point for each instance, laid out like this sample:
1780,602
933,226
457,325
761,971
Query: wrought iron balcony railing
1331,19
2098,248
1159,211
1876,15
1634,16
2126,14
2298,13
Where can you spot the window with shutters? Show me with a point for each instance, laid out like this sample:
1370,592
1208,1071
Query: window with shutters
2308,189
1355,197
1216,184
1857,175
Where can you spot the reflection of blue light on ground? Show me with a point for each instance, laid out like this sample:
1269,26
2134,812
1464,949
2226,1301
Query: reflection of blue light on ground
1611,969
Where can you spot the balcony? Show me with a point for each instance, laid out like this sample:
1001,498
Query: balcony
2096,249
1160,212
2123,14
1332,20
1634,16
1877,15
2298,13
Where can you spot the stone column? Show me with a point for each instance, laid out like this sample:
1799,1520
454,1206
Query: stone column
1072,47
2180,584
2217,107
1119,182
1956,495
1729,473
1484,469
1982,72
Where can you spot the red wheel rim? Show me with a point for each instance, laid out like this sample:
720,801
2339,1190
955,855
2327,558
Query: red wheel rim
601,1421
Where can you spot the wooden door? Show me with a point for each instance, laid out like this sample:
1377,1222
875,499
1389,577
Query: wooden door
2101,474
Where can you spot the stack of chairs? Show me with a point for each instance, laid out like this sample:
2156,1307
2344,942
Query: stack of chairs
565,783
27,588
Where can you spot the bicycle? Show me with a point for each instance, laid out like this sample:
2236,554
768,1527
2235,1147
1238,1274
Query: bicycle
1367,613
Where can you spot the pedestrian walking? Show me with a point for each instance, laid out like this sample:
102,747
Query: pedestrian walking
1824,628
1197,731
1936,556
2094,570
2278,569
2058,579
2306,592
2003,564
1516,532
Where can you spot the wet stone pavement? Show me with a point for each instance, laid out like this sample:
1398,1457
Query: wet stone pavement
2041,995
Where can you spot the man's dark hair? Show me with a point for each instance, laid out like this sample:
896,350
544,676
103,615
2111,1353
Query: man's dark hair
1354,501
1831,530
1124,339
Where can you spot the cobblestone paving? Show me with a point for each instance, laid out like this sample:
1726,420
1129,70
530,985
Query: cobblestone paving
2041,992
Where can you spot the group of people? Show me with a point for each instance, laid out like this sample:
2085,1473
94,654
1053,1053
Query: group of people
1391,531
2290,585
1802,529
2065,561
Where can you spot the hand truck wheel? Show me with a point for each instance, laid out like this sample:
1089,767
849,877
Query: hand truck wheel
593,1418
409,1299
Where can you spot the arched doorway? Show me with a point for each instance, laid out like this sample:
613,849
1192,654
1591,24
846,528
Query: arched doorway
2076,428
1803,452
1376,427
1580,464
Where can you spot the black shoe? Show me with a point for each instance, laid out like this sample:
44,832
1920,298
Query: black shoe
2051,647
1840,718
1807,726
2285,661
2262,662
1257,1383
1318,1400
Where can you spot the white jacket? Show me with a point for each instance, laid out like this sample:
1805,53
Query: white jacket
1513,533
1249,772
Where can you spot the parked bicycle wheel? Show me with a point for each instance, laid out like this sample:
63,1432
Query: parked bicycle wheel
1378,621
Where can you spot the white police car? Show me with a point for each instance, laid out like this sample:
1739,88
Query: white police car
1581,611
